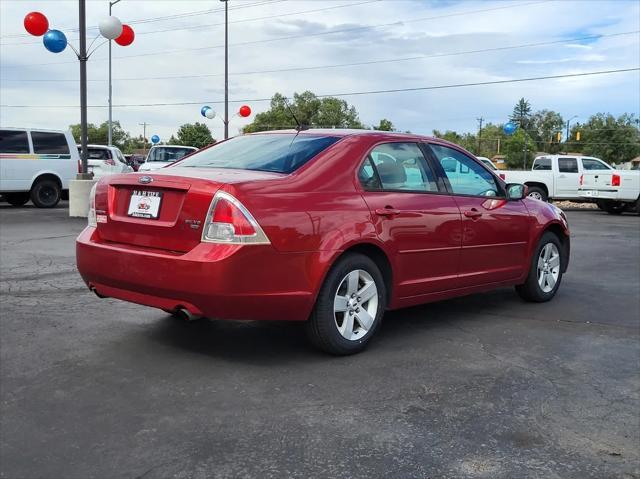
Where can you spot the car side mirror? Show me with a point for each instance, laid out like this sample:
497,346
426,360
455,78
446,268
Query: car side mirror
516,191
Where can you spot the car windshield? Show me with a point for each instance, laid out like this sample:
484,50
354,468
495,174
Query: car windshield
168,154
281,153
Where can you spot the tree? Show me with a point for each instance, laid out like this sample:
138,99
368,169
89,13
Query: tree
99,135
515,147
384,125
545,125
193,134
615,140
310,111
522,113
466,140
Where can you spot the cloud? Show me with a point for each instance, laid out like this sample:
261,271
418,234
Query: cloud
255,46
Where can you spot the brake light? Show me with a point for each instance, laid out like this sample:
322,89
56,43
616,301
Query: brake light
581,182
615,180
109,161
228,221
503,176
91,217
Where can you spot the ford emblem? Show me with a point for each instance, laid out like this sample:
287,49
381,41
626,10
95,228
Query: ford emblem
145,180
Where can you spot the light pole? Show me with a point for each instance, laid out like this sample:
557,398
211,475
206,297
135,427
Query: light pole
569,121
111,4
226,68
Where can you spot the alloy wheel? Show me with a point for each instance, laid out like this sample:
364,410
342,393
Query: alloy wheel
355,305
548,267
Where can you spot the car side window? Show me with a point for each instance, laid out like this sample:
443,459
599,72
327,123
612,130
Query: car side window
14,141
542,163
593,164
49,143
568,165
397,167
465,175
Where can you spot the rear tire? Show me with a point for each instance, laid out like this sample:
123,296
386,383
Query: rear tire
349,307
614,207
545,271
17,199
46,193
537,193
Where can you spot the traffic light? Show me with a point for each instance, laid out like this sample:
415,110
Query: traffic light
559,136
577,136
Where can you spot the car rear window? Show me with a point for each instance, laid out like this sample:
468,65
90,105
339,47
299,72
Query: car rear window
281,153
49,143
168,154
12,141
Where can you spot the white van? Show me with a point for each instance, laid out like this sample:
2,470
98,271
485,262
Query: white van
36,165
162,155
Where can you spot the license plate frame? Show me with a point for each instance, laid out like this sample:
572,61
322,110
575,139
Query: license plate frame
145,204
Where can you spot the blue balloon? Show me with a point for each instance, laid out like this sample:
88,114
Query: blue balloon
155,139
203,110
55,41
510,128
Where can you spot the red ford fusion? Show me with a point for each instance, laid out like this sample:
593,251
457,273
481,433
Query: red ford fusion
329,227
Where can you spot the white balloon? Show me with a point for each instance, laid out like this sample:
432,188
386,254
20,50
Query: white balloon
210,113
110,27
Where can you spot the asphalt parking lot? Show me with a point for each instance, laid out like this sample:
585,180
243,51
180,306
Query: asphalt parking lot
485,386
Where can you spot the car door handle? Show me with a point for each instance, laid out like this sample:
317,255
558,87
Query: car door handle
387,212
562,176
472,213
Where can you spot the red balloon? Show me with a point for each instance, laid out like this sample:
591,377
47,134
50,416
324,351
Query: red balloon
36,23
245,111
126,37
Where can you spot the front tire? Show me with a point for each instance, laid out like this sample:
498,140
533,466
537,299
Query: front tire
545,273
349,307
17,199
46,193
537,193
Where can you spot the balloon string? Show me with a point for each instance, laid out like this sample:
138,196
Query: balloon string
91,52
74,50
91,44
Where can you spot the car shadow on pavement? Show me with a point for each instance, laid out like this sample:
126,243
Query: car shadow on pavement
264,342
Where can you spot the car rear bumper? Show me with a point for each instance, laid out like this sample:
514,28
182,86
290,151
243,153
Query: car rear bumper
218,281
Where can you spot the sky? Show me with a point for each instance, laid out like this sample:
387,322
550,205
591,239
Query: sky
177,57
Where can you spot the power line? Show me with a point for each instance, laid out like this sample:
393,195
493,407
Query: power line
308,35
167,17
245,20
356,93
338,65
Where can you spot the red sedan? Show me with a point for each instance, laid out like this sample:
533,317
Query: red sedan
331,227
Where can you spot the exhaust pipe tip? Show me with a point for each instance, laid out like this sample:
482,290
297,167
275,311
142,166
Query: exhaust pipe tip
95,291
185,315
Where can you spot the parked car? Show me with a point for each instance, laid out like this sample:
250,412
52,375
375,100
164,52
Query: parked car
36,165
163,155
487,162
556,176
105,160
331,227
614,192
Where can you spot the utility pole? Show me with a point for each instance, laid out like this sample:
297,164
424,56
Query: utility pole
480,121
111,4
226,68
144,137
83,175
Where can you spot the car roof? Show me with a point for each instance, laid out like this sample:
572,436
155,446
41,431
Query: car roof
43,130
173,146
342,132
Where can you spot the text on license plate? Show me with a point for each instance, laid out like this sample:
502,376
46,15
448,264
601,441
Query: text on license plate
145,204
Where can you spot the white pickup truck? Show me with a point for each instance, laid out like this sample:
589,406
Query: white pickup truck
556,176
614,192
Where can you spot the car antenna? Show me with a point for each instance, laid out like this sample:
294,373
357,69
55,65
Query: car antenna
300,126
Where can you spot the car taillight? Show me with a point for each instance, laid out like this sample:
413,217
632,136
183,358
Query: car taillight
615,180
228,221
581,182
109,161
503,176
91,217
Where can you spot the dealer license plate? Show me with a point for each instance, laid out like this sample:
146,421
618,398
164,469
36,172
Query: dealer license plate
145,204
